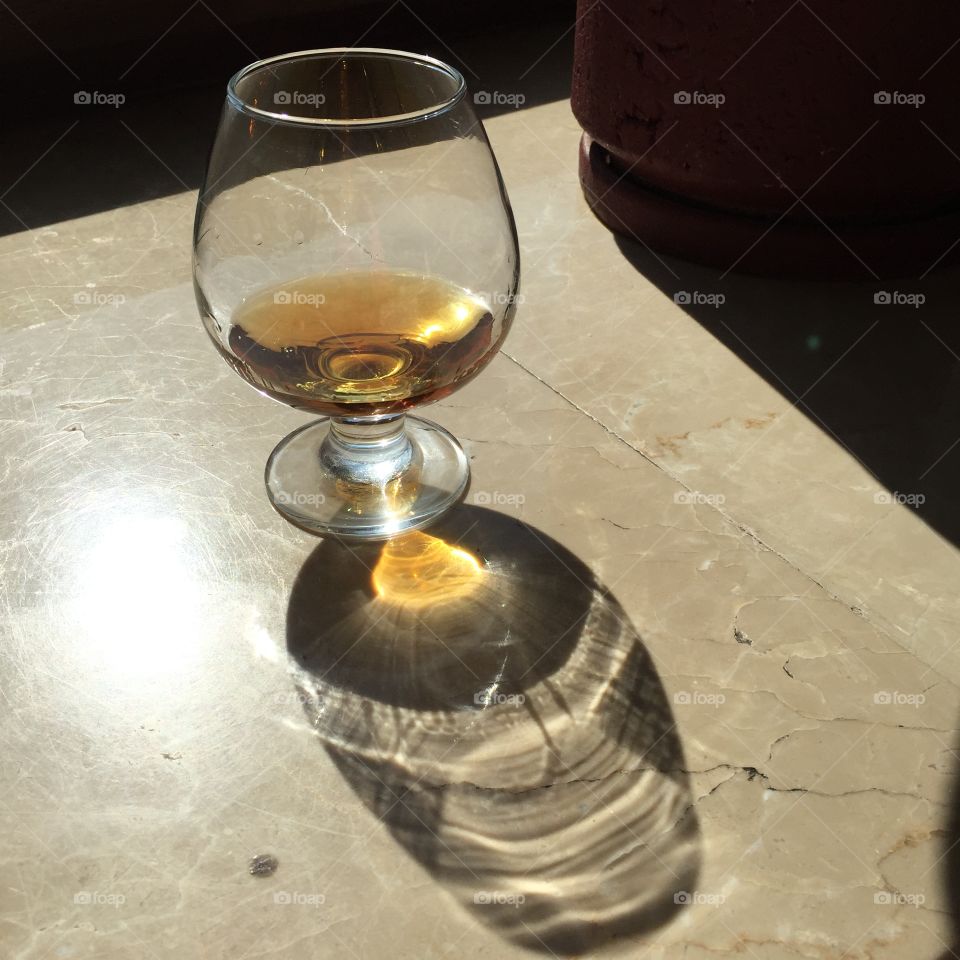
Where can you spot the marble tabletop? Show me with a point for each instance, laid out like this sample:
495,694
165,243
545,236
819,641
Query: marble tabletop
731,725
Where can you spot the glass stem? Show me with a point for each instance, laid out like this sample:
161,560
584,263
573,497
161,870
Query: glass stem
367,449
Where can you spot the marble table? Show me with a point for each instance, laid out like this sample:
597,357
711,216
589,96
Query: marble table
734,731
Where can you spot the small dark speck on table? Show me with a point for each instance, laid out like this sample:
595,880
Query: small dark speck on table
263,865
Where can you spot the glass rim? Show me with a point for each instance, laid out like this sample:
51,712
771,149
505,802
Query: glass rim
241,104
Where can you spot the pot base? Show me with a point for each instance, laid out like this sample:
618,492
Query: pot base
767,246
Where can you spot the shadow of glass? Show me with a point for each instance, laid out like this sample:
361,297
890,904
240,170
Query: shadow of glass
881,377
492,704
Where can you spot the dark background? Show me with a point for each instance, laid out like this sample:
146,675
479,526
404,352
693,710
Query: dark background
171,62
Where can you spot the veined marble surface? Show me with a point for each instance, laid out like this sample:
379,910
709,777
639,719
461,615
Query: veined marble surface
731,725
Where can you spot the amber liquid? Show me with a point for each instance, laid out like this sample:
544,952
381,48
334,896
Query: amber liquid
360,343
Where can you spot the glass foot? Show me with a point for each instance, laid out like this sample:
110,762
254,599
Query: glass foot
366,479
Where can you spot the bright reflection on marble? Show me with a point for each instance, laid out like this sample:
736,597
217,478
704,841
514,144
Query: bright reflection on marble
417,569
263,645
137,598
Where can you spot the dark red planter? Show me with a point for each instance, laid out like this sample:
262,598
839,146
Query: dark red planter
793,136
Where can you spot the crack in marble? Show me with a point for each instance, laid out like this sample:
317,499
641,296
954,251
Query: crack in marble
88,404
741,526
